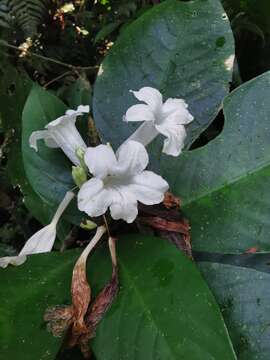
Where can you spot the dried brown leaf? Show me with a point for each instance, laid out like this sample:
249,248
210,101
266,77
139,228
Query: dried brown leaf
168,222
170,201
101,304
71,317
81,295
58,319
165,225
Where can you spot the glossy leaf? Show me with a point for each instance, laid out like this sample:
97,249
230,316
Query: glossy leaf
185,49
243,295
225,184
26,292
164,308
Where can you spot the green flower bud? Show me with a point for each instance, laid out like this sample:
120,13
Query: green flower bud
79,175
88,225
80,155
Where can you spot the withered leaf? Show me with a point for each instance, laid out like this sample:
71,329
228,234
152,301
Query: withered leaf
71,317
168,222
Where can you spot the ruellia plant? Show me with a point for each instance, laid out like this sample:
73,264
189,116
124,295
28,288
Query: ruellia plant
154,242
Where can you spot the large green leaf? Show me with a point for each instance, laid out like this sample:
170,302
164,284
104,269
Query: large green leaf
243,295
185,49
26,292
225,184
258,11
164,309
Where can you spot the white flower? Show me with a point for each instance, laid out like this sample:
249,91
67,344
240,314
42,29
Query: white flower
62,133
43,240
166,118
119,182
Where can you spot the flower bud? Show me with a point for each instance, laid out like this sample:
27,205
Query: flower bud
88,225
80,155
79,175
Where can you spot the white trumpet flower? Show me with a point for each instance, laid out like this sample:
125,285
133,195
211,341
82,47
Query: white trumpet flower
119,182
62,133
166,118
42,241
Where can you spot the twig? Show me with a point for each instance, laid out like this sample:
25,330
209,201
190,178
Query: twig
45,58
57,78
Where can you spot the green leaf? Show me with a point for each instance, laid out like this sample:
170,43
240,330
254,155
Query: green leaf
164,309
258,11
243,295
185,49
48,170
78,93
106,30
225,184
14,89
26,292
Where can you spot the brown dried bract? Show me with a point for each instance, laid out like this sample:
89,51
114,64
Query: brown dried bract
165,225
171,201
168,222
81,295
59,318
101,304
72,317
105,298
80,320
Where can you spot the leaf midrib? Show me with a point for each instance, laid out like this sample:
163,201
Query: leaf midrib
146,309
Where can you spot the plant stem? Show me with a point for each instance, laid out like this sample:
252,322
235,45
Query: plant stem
57,78
48,59
106,224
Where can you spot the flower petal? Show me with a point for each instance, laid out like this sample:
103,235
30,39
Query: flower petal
38,135
124,206
145,133
80,110
149,188
50,143
176,135
61,121
150,96
13,260
132,158
42,241
140,112
100,160
177,108
93,198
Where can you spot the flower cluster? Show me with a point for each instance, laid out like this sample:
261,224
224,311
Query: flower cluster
117,181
